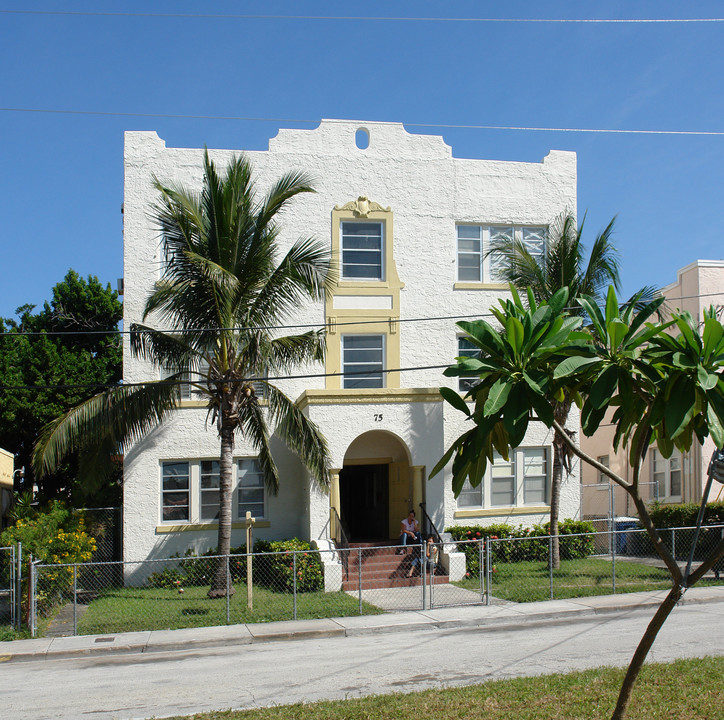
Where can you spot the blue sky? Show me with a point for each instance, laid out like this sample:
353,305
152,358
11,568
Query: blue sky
61,175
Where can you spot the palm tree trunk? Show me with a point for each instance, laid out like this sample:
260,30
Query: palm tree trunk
220,578
643,648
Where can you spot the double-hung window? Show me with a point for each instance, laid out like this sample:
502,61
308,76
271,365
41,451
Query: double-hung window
363,250
521,481
476,264
363,361
209,483
467,349
667,474
175,491
251,488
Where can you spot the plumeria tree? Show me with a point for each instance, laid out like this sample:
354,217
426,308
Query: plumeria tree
224,286
661,382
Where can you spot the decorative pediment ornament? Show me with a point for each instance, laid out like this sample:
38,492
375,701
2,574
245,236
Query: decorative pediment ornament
362,207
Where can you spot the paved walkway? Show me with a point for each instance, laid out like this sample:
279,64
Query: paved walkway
493,617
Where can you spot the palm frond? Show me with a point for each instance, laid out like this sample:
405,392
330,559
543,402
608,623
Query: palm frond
254,428
121,416
301,435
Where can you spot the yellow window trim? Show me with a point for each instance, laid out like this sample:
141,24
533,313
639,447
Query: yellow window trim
367,396
201,527
386,320
479,286
503,512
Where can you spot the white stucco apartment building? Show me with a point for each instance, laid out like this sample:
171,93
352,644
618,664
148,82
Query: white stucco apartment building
411,224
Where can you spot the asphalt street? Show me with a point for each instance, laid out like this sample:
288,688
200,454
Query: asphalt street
160,684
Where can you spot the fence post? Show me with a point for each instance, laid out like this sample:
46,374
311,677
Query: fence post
228,589
359,578
19,588
488,570
550,562
31,595
613,561
75,598
423,563
294,581
482,544
673,543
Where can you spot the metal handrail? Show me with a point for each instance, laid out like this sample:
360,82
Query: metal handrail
341,542
429,526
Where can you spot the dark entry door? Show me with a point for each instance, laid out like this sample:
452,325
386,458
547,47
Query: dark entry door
364,501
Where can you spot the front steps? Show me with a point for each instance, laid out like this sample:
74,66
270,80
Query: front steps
382,568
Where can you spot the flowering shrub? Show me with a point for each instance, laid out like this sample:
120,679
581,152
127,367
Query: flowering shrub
533,549
276,570
54,537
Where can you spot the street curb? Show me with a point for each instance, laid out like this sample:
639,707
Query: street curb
160,641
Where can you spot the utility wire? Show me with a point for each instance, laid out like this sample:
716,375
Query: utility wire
444,126
368,18
201,380
320,326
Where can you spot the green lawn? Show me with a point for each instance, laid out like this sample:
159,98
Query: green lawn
129,609
684,690
529,581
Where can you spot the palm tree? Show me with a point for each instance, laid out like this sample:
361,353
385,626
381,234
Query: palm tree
221,294
562,265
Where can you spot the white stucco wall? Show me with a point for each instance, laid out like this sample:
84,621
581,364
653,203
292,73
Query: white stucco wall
429,191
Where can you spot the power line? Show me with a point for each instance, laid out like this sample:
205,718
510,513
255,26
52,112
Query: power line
370,18
304,376
443,126
302,326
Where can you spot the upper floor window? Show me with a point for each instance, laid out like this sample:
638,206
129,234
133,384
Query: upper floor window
474,242
518,482
185,389
667,474
466,349
362,250
363,361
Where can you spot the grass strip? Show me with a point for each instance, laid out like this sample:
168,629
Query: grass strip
529,581
683,690
130,609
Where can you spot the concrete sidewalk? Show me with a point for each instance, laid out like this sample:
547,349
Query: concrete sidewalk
479,617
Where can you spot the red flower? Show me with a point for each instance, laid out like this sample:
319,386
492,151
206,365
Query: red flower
477,534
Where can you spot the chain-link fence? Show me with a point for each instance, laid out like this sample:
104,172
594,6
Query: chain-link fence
105,527
521,569
103,597
10,584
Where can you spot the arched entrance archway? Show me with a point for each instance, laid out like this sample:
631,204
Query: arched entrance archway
377,487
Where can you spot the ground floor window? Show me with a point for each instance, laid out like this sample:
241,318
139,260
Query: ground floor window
523,479
190,490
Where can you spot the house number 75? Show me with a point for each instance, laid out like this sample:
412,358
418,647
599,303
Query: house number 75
378,417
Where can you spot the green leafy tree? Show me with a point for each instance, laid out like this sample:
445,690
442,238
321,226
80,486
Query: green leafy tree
564,264
661,387
222,289
60,370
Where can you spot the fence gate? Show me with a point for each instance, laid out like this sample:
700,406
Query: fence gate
9,588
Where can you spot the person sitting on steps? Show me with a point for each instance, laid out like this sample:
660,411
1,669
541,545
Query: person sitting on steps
409,532
431,553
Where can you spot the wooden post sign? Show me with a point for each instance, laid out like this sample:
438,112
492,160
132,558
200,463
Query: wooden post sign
249,522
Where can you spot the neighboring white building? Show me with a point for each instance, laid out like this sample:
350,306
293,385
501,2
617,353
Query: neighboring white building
682,477
411,223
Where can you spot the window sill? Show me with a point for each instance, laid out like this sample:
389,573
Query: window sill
479,286
203,527
502,512
204,403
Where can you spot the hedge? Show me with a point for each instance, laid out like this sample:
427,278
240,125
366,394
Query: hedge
273,567
534,548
